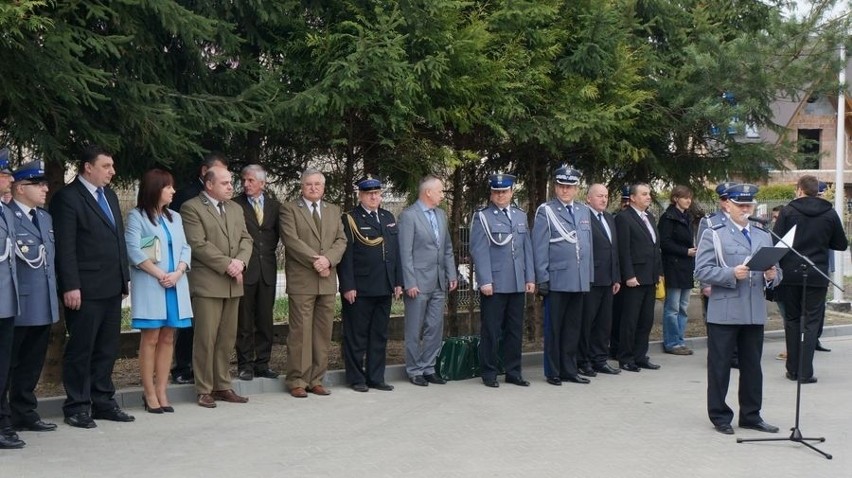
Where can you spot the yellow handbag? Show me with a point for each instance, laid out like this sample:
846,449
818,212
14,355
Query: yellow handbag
660,291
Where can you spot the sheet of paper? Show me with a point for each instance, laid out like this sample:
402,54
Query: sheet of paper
787,240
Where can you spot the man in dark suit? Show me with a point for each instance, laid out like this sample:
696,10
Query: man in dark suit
182,371
92,271
8,301
39,303
597,305
254,328
641,267
428,273
221,247
313,246
369,275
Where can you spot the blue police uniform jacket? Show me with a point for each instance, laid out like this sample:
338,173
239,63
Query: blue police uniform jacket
732,301
36,251
501,249
568,265
8,275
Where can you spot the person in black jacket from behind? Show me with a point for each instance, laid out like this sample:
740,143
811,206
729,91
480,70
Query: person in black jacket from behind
818,229
678,254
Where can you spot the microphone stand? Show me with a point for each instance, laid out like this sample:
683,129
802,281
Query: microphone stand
796,435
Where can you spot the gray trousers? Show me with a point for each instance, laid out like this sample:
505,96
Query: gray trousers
424,331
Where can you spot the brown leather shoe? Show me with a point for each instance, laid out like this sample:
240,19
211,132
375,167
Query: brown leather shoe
319,390
298,392
228,396
206,400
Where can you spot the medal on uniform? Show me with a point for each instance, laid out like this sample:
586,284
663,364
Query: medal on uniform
25,249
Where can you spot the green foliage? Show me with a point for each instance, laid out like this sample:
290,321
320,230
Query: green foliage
782,192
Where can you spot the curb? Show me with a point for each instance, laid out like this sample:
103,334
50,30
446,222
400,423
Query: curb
132,397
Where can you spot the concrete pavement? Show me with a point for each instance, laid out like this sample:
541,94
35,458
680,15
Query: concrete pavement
647,424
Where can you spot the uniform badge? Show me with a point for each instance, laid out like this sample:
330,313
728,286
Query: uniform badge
25,249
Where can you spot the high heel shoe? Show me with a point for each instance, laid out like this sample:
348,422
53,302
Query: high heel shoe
149,409
168,409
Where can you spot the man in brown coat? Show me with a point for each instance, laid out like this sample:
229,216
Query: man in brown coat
221,247
314,242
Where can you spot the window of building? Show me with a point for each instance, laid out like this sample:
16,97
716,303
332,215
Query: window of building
809,147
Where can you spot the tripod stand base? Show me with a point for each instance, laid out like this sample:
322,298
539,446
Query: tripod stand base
796,437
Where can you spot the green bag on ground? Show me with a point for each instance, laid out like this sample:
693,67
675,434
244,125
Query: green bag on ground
459,358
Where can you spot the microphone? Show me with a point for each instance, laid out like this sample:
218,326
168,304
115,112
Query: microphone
759,220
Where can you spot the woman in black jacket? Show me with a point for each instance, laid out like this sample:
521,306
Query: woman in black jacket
678,253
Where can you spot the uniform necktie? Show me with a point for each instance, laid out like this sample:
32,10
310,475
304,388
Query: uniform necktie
506,212
649,226
434,221
102,202
258,211
316,217
375,216
747,235
34,217
570,211
605,226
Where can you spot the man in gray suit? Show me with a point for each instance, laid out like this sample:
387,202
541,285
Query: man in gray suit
501,249
8,300
39,302
564,270
736,311
428,271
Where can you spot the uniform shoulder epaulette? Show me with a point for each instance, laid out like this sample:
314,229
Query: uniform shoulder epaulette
482,208
711,214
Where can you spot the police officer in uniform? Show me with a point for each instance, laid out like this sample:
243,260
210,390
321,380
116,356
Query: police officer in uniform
34,248
736,312
564,269
370,276
502,254
8,300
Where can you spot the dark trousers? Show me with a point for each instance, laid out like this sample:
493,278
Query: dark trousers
29,348
597,322
93,334
564,318
254,327
721,342
7,331
791,297
501,317
637,319
365,339
183,352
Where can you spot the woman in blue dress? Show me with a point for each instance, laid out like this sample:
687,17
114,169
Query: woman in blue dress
159,290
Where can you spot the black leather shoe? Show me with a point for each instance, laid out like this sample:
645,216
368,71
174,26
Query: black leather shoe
360,387
630,367
821,348
114,415
607,369
760,426
490,382
575,379
9,433
183,379
792,377
81,420
246,375
648,365
554,381
588,371
9,442
383,386
268,373
36,426
434,378
418,380
517,381
725,428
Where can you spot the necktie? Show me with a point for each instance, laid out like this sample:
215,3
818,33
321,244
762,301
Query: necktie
375,216
258,211
316,217
605,226
34,217
102,202
649,226
747,235
506,212
570,211
434,221
221,207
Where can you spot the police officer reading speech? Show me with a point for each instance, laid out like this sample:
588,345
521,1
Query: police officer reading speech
736,311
